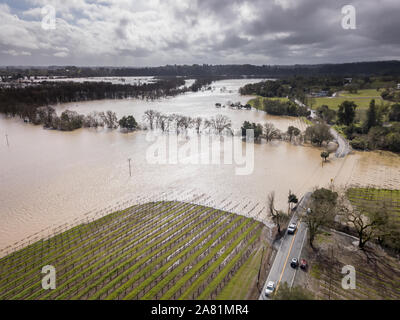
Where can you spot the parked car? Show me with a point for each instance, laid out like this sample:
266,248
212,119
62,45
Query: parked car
292,228
270,288
303,264
294,263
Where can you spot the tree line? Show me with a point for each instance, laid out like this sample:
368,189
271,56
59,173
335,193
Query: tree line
281,108
24,101
316,134
180,124
71,120
371,132
206,70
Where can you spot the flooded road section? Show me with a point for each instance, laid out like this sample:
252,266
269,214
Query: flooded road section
50,177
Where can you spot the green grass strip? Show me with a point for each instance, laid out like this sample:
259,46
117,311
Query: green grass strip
177,270
97,264
215,282
78,253
182,254
135,256
207,273
86,252
181,237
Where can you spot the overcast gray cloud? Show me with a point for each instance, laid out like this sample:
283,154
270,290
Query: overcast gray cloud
158,32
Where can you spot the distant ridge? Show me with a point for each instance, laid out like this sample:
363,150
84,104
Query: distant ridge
390,68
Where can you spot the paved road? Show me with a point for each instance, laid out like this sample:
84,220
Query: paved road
290,247
344,147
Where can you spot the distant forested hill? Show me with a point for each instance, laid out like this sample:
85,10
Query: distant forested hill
345,69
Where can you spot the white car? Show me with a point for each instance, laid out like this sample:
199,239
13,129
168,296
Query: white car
292,228
270,288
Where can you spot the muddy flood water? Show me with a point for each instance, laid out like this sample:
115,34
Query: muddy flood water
50,177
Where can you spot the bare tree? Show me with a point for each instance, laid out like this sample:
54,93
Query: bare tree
93,120
110,119
157,118
186,122
197,124
369,222
149,115
278,217
45,115
220,123
163,122
270,132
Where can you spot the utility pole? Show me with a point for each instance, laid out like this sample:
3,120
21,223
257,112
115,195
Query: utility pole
130,172
8,145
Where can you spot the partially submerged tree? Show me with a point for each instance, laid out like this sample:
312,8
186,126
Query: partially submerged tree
149,116
45,116
93,120
70,120
293,131
110,119
325,155
270,132
278,217
128,122
220,123
197,123
257,129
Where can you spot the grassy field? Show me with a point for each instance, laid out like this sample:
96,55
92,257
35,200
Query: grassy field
376,197
361,93
243,284
333,103
362,99
157,250
252,102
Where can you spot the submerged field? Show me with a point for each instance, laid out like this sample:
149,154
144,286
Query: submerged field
157,250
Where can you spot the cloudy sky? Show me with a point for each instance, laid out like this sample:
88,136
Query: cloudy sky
159,32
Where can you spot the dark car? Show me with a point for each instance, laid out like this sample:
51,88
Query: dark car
303,264
294,263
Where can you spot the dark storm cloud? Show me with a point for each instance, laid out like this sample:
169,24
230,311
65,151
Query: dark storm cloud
202,31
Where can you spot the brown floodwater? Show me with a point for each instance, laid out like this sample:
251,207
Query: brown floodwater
50,177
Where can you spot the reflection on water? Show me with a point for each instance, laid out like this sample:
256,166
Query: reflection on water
48,177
